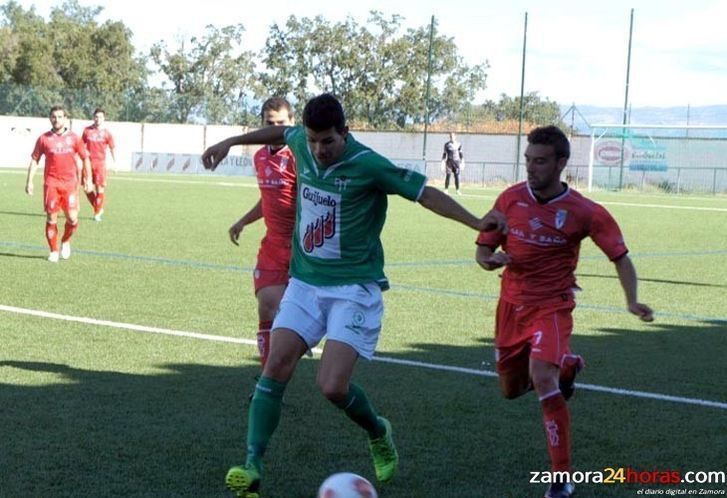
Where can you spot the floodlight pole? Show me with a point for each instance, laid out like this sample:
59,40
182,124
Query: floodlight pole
522,98
426,98
626,103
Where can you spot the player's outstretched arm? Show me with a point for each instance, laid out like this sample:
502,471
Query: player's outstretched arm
250,217
627,276
442,204
270,135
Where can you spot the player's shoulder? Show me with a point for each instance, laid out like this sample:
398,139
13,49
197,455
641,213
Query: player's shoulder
519,191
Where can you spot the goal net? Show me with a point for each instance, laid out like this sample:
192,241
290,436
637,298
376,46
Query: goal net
658,157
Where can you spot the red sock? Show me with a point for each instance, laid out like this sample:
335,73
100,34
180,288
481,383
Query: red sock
91,198
556,419
51,235
98,205
263,341
69,231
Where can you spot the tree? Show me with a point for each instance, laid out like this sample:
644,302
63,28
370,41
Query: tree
212,78
70,59
379,75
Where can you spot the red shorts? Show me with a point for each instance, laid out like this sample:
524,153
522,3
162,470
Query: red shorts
273,261
540,331
60,197
98,174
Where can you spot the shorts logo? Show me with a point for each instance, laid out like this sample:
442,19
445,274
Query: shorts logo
357,321
319,228
560,217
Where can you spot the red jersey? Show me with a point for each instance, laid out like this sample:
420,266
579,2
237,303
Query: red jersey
60,157
544,240
96,140
276,179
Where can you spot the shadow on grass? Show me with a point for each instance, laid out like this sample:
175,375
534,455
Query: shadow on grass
25,256
655,280
21,213
68,431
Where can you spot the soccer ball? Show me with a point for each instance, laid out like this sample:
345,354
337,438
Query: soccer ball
346,485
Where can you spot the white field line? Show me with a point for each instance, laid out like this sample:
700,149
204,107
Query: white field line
383,359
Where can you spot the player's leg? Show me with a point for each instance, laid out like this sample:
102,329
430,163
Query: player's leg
52,205
550,343
70,206
353,326
512,350
297,327
268,302
448,174
456,180
286,348
99,182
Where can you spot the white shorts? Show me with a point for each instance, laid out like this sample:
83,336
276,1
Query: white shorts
346,313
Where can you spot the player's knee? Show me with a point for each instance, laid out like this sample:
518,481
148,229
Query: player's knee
544,384
513,387
333,391
266,310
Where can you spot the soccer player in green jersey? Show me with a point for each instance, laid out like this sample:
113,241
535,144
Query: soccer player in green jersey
337,274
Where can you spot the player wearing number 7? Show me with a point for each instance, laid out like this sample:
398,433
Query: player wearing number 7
547,221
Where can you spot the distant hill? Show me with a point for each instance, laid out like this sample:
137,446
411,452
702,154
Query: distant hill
713,115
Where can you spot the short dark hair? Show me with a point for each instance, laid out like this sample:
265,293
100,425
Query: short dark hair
58,107
276,104
97,110
323,112
551,135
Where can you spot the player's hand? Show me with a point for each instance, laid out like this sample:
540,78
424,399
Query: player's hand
29,189
494,261
235,231
642,311
215,154
493,220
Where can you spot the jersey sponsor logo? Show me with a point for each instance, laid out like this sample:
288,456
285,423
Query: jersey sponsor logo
319,228
560,217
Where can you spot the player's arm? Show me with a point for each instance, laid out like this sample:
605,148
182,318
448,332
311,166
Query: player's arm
490,260
88,176
112,150
250,217
32,167
270,135
627,276
443,205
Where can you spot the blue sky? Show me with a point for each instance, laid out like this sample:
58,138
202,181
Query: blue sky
576,49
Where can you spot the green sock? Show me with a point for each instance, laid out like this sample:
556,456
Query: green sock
263,418
358,408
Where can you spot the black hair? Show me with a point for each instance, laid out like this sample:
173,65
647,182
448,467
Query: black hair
323,112
551,135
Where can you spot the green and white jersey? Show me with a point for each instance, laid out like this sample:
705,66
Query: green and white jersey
341,211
